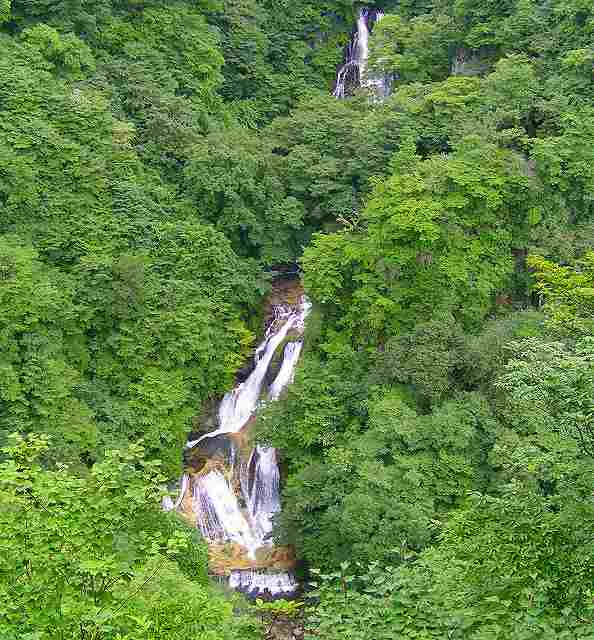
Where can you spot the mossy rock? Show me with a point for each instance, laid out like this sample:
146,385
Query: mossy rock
210,450
277,359
207,420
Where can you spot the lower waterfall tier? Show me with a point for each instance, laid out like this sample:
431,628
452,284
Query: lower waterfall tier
260,584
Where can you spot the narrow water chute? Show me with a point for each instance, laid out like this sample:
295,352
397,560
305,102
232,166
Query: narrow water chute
287,371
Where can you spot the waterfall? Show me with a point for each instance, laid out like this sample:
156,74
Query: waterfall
239,404
219,515
264,499
234,500
353,73
256,583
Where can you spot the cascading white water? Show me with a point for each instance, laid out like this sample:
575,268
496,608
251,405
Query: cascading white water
245,517
287,370
355,58
239,404
353,73
219,515
264,498
259,582
168,504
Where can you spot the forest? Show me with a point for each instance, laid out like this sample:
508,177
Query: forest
162,162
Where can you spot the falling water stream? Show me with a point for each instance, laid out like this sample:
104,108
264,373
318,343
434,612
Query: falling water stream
234,497
354,74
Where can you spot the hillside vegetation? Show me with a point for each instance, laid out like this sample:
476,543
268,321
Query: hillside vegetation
160,161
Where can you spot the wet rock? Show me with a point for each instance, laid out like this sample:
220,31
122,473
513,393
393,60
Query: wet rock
285,291
277,361
217,448
285,629
244,373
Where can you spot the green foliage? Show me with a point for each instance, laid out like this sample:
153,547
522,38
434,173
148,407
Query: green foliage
231,177
513,562
92,556
496,574
287,608
42,354
274,614
413,50
5,10
350,441
484,355
68,55
327,150
420,251
550,387
112,286
569,293
133,356
157,161
276,51
427,359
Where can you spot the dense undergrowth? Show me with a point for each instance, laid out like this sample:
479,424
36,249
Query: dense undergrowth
157,161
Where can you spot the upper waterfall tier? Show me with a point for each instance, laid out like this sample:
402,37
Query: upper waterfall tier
353,74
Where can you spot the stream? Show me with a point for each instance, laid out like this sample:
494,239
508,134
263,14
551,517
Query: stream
231,488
